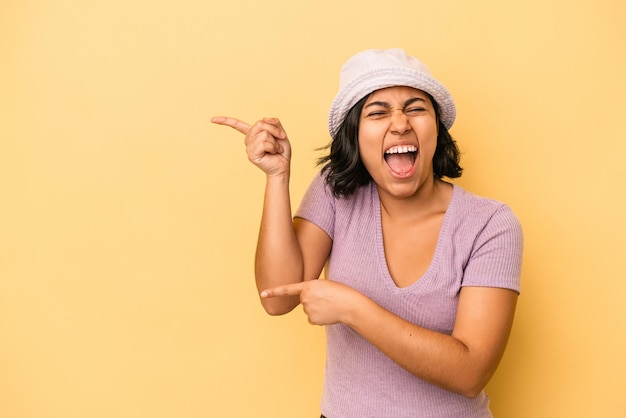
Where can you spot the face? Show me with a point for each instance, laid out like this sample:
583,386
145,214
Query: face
397,140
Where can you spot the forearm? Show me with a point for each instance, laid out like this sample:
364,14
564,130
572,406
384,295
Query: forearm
462,362
278,258
440,359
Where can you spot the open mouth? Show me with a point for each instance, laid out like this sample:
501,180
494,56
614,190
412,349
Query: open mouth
401,158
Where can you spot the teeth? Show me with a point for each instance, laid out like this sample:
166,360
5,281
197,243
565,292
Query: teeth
401,149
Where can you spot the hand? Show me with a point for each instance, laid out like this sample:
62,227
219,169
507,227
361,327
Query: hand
325,302
266,142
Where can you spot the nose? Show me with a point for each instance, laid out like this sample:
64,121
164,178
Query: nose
399,123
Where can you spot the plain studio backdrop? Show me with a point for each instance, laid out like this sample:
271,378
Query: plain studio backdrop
128,221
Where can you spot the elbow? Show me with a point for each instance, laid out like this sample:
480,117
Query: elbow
471,388
274,311
470,381
468,391
276,308
471,392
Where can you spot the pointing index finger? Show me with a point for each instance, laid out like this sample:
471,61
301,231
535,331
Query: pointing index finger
235,123
286,290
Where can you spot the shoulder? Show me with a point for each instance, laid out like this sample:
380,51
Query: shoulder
320,206
321,189
484,218
471,205
492,235
469,199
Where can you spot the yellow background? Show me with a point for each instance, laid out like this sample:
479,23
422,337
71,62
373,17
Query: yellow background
128,221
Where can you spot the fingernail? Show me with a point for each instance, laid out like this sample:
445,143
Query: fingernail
264,294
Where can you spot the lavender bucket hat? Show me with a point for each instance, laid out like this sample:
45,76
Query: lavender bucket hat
376,69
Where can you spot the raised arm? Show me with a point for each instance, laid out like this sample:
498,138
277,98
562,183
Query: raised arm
281,251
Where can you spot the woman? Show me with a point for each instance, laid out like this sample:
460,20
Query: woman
422,276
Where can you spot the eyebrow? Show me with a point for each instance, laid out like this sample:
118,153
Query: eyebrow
404,106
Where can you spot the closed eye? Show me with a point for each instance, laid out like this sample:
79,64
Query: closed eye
376,113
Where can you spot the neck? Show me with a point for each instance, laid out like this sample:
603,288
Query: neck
433,196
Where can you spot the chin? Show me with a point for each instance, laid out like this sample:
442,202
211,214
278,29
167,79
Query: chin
402,191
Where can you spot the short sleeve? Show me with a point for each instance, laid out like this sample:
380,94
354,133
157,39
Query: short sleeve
496,258
318,205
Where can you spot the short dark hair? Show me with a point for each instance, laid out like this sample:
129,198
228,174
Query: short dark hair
345,171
